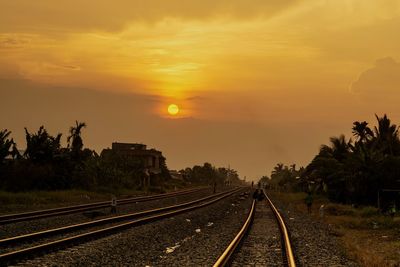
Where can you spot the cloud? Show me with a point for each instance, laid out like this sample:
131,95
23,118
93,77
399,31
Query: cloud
110,15
13,41
382,79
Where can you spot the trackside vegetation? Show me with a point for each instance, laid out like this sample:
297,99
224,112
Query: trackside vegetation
349,171
45,165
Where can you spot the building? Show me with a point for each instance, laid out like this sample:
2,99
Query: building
176,175
150,158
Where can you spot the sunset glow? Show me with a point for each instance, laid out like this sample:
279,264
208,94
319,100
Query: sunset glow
173,109
275,78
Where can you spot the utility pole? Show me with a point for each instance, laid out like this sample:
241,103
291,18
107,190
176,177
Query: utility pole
229,174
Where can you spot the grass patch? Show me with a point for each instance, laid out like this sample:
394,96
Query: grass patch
367,212
339,210
25,201
372,239
36,200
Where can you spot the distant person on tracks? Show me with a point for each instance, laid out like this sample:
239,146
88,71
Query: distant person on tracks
309,201
113,204
258,195
261,195
252,184
255,194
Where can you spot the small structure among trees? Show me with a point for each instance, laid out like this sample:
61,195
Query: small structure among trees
150,159
147,165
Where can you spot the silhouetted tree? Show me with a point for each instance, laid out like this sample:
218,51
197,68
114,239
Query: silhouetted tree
387,136
6,145
75,142
362,132
286,177
355,172
208,174
42,147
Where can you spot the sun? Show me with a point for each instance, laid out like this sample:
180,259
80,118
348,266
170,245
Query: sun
173,109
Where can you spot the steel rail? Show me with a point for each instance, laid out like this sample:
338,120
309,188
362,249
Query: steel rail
26,252
50,232
227,254
25,216
290,259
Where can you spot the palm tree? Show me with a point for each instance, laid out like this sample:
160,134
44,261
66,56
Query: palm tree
5,144
387,136
75,136
363,146
338,149
362,132
277,169
278,174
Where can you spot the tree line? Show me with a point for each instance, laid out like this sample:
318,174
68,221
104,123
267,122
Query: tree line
209,174
46,165
284,177
347,170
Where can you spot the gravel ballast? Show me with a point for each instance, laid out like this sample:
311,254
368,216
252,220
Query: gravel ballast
199,237
314,243
21,228
262,245
195,238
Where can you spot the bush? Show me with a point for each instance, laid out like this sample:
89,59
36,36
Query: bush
156,189
368,212
338,210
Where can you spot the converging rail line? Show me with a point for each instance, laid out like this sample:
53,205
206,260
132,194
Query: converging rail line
287,256
26,216
139,218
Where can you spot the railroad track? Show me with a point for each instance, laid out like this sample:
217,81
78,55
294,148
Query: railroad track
131,220
227,258
39,214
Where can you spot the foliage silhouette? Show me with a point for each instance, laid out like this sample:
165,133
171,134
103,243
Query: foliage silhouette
349,171
5,145
46,165
75,142
208,174
354,172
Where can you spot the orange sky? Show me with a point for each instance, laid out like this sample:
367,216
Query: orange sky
257,82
